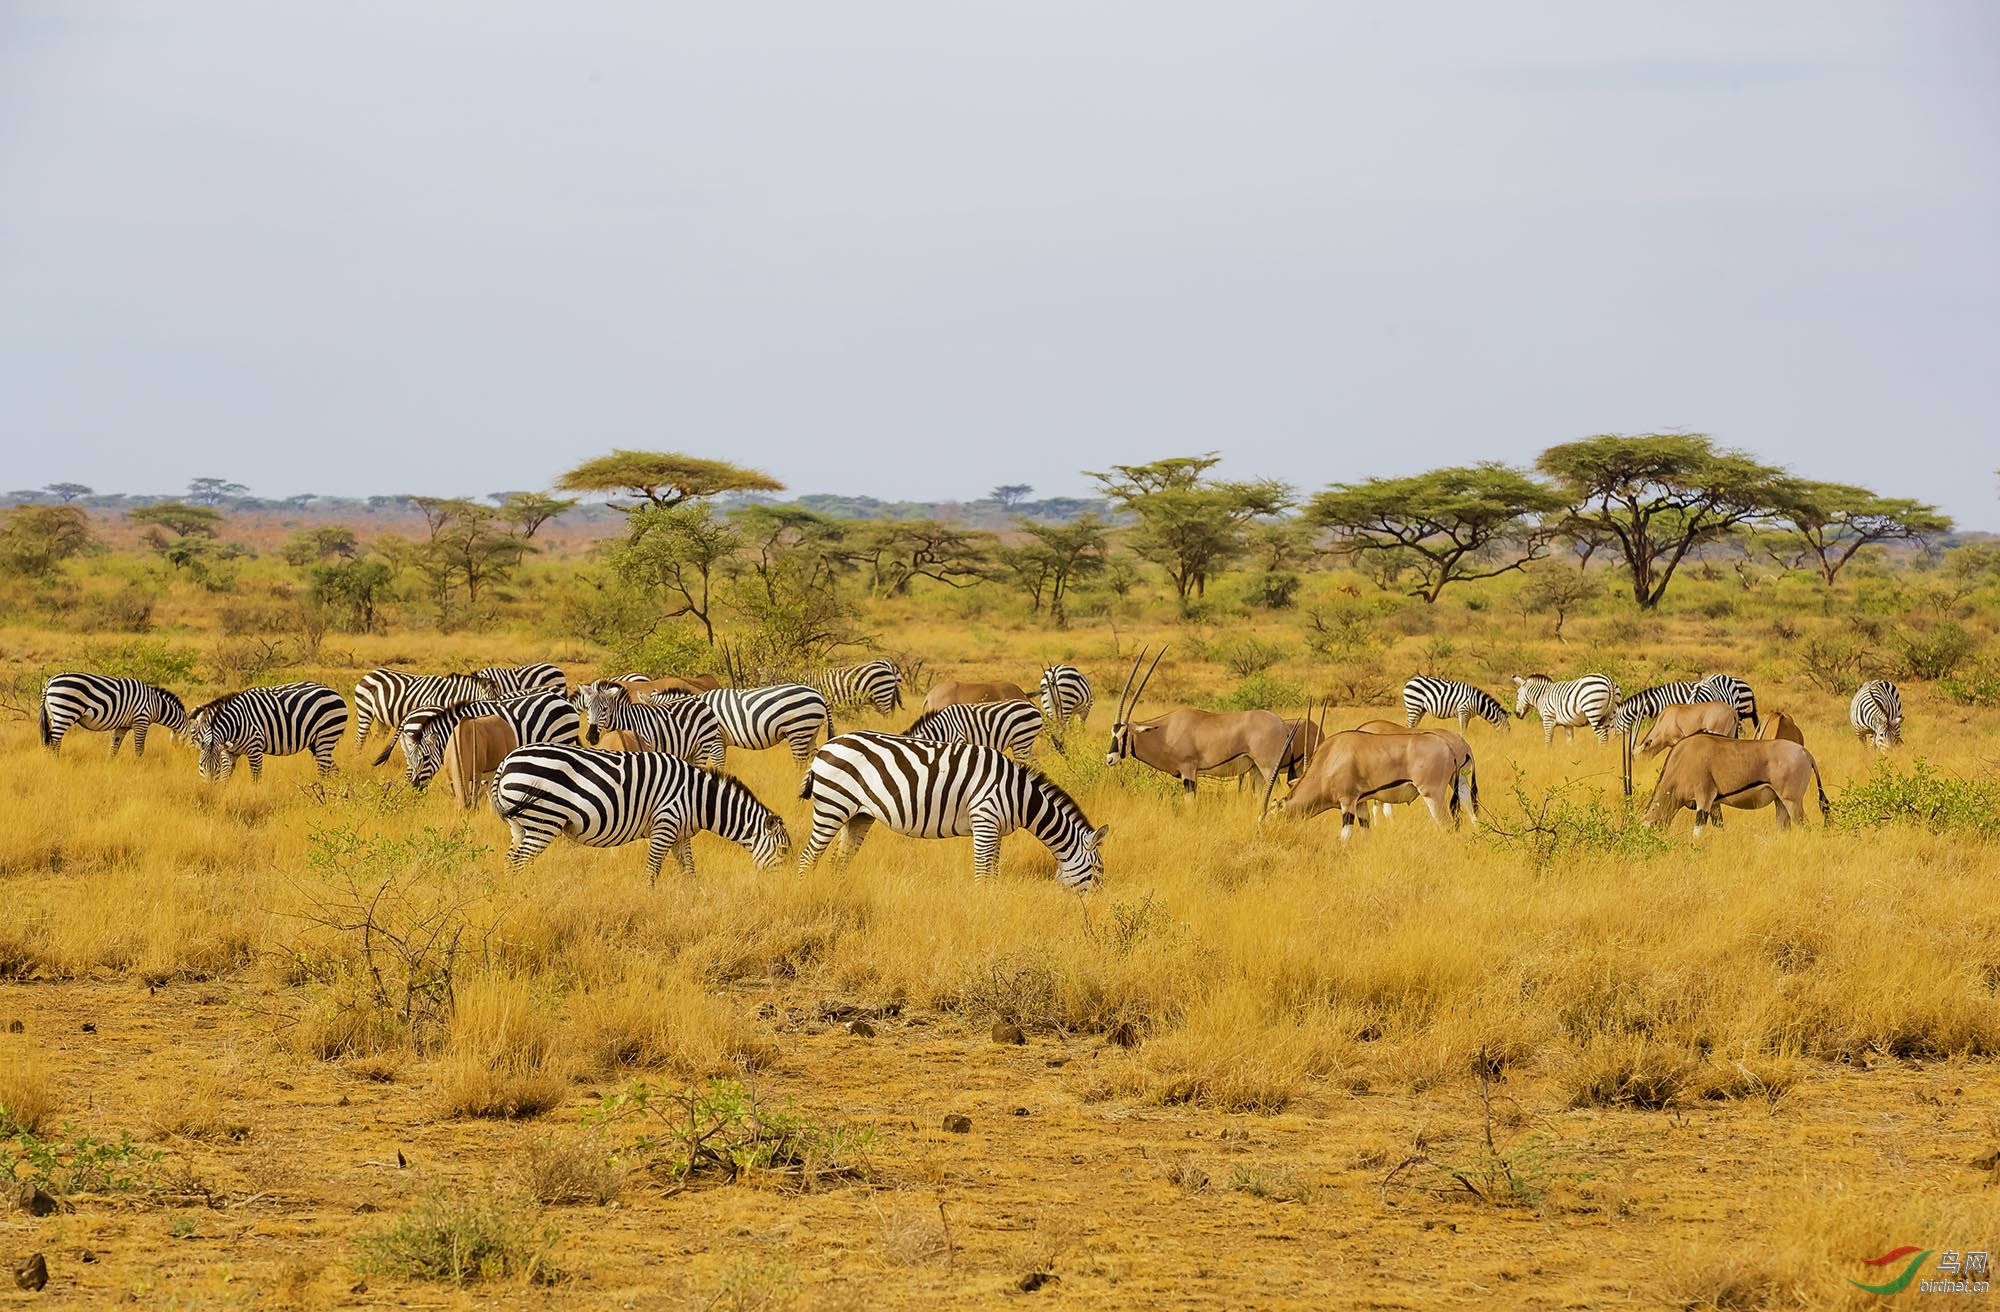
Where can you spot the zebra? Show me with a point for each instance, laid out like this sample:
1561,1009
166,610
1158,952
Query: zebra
1588,700
878,681
1447,699
757,718
261,722
1729,688
515,680
686,727
608,799
943,790
1009,727
388,697
1647,703
538,718
1064,693
1877,712
103,701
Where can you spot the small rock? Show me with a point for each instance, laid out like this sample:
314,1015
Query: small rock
32,1273
861,1029
1006,1031
33,1199
90,1027
956,1124
1034,1280
85,1256
1125,1034
1022,1111
17,1026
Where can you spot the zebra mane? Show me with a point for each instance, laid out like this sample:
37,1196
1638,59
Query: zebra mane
924,719
208,709
171,699
1543,677
1042,783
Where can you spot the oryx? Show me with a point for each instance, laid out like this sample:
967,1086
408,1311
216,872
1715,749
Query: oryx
1190,744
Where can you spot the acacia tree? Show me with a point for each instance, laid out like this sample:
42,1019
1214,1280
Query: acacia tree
1658,496
181,533
528,511
213,491
67,492
1188,525
1055,557
897,552
34,540
663,479
1450,525
1833,521
677,552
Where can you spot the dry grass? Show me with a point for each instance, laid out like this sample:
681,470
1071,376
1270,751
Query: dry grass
27,1095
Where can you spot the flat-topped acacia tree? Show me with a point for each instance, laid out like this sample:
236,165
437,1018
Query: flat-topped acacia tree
663,479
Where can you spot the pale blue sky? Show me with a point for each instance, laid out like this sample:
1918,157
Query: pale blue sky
916,250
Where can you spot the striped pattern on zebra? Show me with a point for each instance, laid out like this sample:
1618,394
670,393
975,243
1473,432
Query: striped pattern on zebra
1647,703
757,718
259,722
943,790
1009,727
1877,712
517,680
538,718
608,799
878,683
1064,695
1448,699
686,727
385,698
1729,688
103,702
1589,700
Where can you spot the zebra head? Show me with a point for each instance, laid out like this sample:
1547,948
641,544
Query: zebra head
1529,693
172,714
742,819
216,761
594,701
1080,863
423,747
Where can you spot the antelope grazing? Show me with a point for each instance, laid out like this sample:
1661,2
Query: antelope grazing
958,692
1191,744
1704,772
1678,722
1353,768
1780,726
1461,752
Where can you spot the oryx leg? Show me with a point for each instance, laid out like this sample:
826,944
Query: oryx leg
1440,807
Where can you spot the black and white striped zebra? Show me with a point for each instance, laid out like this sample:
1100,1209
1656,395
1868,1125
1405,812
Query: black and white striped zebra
1009,727
1877,712
608,799
104,702
385,698
537,718
757,718
516,680
943,790
1586,701
1647,703
260,722
878,683
1729,688
1447,699
686,727
1064,695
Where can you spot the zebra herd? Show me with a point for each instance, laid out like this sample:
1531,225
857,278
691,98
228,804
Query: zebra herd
962,769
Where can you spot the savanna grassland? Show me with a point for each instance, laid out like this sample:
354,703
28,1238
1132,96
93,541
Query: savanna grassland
306,1043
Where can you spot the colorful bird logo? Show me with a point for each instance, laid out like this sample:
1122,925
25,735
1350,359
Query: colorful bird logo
1901,1282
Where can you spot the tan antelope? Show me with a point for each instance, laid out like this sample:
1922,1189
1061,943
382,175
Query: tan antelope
1461,752
1781,727
959,692
1191,744
472,755
1678,722
1351,769
1704,772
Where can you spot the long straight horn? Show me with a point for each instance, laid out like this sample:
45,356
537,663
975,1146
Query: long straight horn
1130,675
1271,785
1140,691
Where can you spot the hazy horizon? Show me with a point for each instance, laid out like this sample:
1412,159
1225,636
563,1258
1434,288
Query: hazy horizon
914,252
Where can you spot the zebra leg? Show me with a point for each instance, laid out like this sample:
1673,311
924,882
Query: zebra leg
986,835
1548,731
362,723
852,835
323,758
826,823
525,843
117,740
1413,716
802,745
139,727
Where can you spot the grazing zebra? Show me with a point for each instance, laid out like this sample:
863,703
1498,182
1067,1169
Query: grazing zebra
1009,727
757,718
1448,699
261,722
1647,703
686,727
608,799
103,701
1064,693
1877,712
389,697
538,718
1588,700
1729,688
879,682
943,790
516,680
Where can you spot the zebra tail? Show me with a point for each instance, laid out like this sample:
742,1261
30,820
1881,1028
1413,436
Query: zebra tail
529,796
47,733
806,787
387,747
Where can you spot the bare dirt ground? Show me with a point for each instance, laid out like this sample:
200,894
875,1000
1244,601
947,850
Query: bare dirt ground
1104,1199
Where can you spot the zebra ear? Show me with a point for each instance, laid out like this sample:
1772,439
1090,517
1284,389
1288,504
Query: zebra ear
1518,680
1098,834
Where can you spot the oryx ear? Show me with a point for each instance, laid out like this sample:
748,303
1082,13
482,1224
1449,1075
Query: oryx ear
1098,834
1142,728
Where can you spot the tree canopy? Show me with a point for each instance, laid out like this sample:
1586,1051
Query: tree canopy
663,478
1449,524
34,540
1834,521
1190,526
1657,496
178,518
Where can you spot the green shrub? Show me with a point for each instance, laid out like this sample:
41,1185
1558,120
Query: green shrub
1979,686
148,659
1932,653
719,1131
1558,823
1262,692
1277,590
458,1236
74,1161
1941,803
